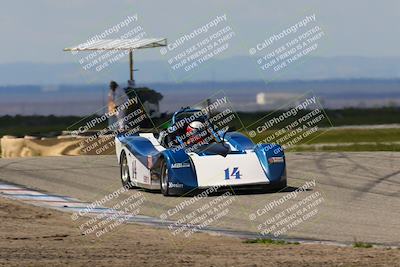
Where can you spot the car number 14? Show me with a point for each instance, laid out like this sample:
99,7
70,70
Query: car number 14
234,174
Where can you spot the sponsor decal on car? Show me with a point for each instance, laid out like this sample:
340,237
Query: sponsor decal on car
175,185
180,165
272,160
149,162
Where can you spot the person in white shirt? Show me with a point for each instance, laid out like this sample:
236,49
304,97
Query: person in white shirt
116,97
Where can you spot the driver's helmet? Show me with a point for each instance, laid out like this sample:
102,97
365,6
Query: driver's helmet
194,131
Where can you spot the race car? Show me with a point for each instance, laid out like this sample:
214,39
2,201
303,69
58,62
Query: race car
192,154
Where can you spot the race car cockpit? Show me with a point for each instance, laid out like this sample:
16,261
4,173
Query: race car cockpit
191,129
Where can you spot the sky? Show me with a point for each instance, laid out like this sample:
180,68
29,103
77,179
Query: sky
37,31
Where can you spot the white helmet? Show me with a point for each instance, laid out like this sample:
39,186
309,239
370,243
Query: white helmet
196,125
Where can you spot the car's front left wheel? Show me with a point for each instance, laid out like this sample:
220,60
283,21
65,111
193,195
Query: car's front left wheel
124,170
164,178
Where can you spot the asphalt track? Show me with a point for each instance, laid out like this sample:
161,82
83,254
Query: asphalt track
361,192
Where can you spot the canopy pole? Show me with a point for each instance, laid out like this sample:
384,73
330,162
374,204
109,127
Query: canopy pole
131,64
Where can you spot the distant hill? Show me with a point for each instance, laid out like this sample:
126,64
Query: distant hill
84,99
229,69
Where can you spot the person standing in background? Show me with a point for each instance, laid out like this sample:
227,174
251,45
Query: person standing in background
116,98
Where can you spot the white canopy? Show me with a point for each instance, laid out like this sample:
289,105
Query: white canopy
119,44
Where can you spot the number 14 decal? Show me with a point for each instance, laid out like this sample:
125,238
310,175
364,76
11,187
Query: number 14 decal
235,173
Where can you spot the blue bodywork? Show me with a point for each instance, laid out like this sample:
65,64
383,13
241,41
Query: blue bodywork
183,175
274,171
140,147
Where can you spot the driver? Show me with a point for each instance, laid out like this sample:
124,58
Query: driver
196,132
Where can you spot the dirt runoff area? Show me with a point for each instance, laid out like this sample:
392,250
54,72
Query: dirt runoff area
34,236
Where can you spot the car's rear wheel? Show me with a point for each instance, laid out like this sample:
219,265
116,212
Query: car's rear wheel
124,169
164,178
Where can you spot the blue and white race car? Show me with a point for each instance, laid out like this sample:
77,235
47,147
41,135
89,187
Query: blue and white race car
192,154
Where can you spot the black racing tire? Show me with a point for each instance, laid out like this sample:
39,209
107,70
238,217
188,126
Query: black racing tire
124,171
164,179
283,185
